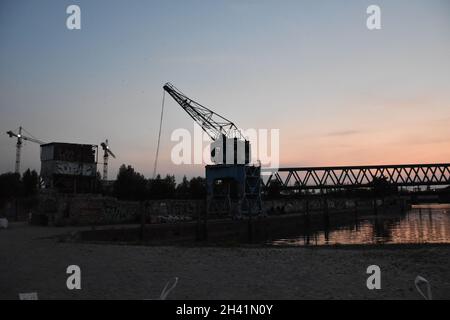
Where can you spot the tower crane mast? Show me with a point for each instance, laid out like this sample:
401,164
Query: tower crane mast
20,138
106,153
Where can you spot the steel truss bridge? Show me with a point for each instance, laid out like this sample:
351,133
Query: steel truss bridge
350,177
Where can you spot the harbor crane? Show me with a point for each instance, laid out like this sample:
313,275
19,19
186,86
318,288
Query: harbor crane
106,153
233,184
20,138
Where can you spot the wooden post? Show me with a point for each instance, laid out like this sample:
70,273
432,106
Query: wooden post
250,225
16,205
325,203
326,220
355,214
205,224
199,229
143,206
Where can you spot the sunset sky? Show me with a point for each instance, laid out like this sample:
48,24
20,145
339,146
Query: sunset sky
339,93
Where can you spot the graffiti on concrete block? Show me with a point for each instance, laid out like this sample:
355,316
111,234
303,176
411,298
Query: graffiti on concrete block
74,168
120,214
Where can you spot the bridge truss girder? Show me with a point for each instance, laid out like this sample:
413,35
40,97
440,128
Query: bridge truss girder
350,177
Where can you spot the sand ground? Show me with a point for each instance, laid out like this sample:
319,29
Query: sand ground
32,259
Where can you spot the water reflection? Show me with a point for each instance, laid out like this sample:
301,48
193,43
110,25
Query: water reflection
421,224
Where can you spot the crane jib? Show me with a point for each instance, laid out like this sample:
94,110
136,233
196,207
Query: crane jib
229,142
205,117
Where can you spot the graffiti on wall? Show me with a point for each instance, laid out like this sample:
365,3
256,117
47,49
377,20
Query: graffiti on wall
120,214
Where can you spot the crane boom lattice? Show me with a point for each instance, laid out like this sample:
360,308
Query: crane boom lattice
211,122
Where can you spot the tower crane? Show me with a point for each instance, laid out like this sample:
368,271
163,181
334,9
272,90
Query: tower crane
106,153
224,133
20,138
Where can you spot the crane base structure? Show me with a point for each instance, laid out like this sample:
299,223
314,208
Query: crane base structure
233,190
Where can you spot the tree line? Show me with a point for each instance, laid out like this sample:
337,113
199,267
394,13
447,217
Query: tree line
14,185
18,193
131,185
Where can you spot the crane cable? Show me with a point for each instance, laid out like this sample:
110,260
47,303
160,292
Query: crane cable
159,135
27,132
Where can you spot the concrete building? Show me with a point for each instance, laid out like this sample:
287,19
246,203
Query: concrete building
69,167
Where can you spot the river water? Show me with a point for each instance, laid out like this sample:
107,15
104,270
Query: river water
421,224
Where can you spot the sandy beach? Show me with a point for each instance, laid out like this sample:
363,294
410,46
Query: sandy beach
33,260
